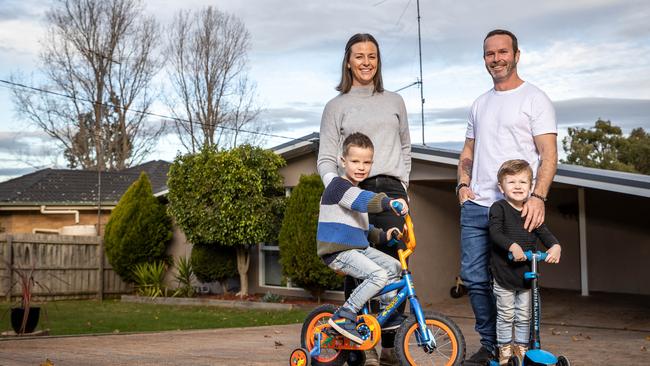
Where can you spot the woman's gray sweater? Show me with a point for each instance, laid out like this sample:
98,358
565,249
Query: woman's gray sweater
380,116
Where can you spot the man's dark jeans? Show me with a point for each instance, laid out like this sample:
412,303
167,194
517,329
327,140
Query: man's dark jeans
474,269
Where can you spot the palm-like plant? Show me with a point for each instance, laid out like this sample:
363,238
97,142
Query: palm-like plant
149,279
184,277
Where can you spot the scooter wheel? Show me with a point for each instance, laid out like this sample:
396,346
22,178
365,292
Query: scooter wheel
563,361
299,357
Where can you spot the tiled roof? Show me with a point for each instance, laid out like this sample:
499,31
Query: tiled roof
66,186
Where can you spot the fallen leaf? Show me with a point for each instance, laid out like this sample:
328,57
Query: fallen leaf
644,349
647,338
277,332
278,344
116,331
267,336
47,363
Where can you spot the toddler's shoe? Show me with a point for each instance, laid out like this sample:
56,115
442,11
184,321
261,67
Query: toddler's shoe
520,351
505,352
344,321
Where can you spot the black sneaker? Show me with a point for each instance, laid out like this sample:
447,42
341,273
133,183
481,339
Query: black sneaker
393,322
480,358
345,322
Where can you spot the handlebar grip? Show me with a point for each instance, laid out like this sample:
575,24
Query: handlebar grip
398,206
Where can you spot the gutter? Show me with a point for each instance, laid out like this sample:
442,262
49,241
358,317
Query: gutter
45,211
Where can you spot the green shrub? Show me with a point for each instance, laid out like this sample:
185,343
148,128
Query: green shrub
226,197
213,263
138,230
150,278
298,239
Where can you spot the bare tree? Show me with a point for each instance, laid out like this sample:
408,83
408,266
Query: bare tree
241,125
207,51
99,53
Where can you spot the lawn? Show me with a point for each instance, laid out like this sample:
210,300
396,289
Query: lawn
113,316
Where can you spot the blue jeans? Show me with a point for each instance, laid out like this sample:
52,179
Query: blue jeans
475,249
375,268
513,310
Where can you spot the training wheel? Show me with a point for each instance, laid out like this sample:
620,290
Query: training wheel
299,357
563,361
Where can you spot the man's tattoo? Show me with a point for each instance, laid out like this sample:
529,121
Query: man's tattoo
466,165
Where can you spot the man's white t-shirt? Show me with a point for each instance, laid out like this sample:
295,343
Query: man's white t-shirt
503,124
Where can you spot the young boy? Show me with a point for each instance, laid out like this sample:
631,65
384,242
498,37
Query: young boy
508,235
344,233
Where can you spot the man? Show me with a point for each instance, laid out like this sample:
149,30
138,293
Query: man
513,120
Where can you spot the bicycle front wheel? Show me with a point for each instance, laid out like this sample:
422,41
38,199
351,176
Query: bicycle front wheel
449,341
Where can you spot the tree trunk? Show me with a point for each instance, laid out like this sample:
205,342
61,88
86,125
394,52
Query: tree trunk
243,259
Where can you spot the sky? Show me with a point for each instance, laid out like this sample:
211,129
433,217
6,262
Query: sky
591,57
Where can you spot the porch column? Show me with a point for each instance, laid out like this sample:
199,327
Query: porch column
582,229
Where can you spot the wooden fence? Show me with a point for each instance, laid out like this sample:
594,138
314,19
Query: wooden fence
64,267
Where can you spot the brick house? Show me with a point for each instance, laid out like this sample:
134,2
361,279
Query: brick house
65,201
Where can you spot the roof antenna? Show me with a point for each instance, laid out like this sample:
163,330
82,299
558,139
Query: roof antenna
419,81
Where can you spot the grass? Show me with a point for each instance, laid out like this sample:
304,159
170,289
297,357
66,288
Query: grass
113,316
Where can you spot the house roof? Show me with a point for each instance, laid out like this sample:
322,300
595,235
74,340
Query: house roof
609,180
67,186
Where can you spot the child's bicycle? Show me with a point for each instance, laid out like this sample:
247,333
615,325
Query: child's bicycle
535,355
423,338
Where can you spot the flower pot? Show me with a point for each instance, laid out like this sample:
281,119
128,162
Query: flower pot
17,315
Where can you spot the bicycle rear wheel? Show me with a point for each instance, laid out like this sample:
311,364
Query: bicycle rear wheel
328,356
449,340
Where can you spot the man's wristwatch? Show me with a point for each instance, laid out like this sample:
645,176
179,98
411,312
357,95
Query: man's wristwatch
538,196
459,186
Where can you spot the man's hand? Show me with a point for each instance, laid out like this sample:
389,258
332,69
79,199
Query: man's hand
464,194
517,253
534,213
554,254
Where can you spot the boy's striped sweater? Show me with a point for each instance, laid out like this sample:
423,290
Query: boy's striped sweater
343,218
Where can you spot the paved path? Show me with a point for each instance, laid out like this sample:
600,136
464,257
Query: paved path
272,345
596,330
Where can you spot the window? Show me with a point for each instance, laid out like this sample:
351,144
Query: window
270,270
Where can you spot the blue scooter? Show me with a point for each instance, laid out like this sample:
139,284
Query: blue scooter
535,356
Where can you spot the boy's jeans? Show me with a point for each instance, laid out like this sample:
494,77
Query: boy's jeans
375,268
475,252
512,307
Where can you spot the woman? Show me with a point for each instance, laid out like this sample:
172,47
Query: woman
364,106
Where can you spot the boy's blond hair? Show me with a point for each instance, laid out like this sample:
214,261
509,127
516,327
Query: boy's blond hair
512,167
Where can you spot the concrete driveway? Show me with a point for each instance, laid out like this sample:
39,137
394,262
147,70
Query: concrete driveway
589,331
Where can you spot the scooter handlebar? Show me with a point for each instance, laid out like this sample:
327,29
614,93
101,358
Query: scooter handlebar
529,255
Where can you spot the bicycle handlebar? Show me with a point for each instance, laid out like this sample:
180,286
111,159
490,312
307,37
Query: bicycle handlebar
529,255
397,206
